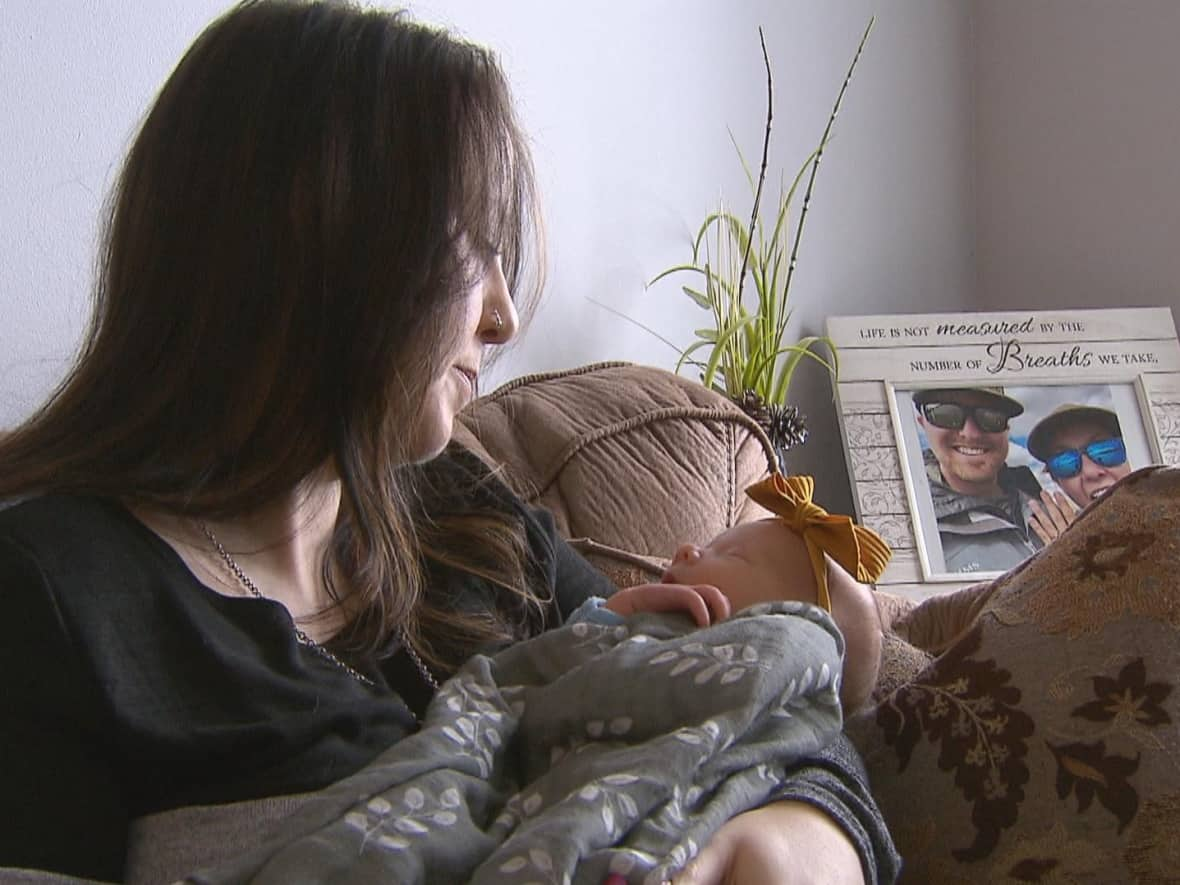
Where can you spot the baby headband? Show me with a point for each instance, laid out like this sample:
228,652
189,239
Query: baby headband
859,551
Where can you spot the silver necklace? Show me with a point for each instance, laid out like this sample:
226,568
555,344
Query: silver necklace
304,639
245,581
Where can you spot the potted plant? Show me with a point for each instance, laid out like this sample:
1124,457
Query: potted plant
745,352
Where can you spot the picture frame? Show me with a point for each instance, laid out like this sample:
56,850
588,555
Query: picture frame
1069,386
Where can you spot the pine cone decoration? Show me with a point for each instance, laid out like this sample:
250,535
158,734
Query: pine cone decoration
785,426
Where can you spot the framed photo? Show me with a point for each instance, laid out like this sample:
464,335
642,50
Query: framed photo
954,425
969,483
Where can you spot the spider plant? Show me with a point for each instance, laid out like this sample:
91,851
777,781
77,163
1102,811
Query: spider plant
745,351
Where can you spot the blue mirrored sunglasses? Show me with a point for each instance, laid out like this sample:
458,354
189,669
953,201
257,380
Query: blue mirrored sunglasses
1104,452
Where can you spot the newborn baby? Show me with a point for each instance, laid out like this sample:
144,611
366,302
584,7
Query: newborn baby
795,555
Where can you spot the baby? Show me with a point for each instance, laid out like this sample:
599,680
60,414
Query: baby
802,554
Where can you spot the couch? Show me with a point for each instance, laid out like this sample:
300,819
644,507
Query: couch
1022,730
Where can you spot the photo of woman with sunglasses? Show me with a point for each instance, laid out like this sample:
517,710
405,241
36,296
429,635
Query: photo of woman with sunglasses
1084,452
981,503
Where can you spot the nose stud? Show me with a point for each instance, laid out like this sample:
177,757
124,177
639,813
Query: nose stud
497,319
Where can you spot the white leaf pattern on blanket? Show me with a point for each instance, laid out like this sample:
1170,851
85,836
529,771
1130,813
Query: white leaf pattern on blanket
731,660
467,698
418,811
537,858
602,637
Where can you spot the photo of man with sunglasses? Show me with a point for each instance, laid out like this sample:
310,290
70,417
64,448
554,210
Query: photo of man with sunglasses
1083,450
981,504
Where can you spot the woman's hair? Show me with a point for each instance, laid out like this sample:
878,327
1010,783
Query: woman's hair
294,224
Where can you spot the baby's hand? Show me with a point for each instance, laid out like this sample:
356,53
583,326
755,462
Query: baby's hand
703,602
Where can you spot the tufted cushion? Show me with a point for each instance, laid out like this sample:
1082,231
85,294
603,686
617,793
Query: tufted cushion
1041,744
630,457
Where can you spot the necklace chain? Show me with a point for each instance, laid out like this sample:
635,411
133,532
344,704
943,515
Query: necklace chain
419,664
245,580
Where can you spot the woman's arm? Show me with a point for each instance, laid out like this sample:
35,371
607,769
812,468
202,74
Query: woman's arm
824,818
825,828
786,843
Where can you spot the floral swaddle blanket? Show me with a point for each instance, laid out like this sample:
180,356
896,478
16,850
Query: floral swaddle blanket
588,750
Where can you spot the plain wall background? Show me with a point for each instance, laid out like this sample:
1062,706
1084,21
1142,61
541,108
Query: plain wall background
969,169
628,105
1076,141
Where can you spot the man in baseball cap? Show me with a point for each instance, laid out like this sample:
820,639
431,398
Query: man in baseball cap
982,505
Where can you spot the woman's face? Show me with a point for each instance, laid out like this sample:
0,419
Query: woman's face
1093,479
486,316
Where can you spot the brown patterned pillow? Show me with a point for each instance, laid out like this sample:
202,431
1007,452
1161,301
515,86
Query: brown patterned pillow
1044,744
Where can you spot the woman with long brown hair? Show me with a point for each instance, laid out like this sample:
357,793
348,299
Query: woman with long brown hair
243,555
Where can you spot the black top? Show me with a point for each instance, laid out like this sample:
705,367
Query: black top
132,688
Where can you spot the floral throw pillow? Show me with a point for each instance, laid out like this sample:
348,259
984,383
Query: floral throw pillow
1043,745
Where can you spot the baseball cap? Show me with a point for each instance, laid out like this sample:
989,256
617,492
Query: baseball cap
1042,434
994,395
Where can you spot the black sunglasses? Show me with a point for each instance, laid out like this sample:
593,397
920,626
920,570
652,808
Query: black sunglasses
953,416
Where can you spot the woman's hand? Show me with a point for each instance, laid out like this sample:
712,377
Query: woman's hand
786,843
1049,516
704,603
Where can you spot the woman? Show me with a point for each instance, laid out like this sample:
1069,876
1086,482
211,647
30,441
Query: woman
242,567
1083,451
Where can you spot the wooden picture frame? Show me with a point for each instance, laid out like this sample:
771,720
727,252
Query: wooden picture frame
1090,364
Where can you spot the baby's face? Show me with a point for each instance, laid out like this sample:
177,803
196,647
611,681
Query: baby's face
750,563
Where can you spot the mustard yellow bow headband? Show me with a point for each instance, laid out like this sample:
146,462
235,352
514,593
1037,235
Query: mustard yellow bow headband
859,551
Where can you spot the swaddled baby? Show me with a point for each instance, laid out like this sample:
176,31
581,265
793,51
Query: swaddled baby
802,554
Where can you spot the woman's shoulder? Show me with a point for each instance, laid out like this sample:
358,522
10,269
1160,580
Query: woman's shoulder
70,542
55,520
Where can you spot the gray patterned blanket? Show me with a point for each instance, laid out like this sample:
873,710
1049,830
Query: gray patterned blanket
589,750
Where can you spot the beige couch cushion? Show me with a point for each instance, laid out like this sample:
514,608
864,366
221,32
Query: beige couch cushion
1041,744
631,457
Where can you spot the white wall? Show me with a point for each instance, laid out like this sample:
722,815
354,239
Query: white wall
76,77
1077,142
628,103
